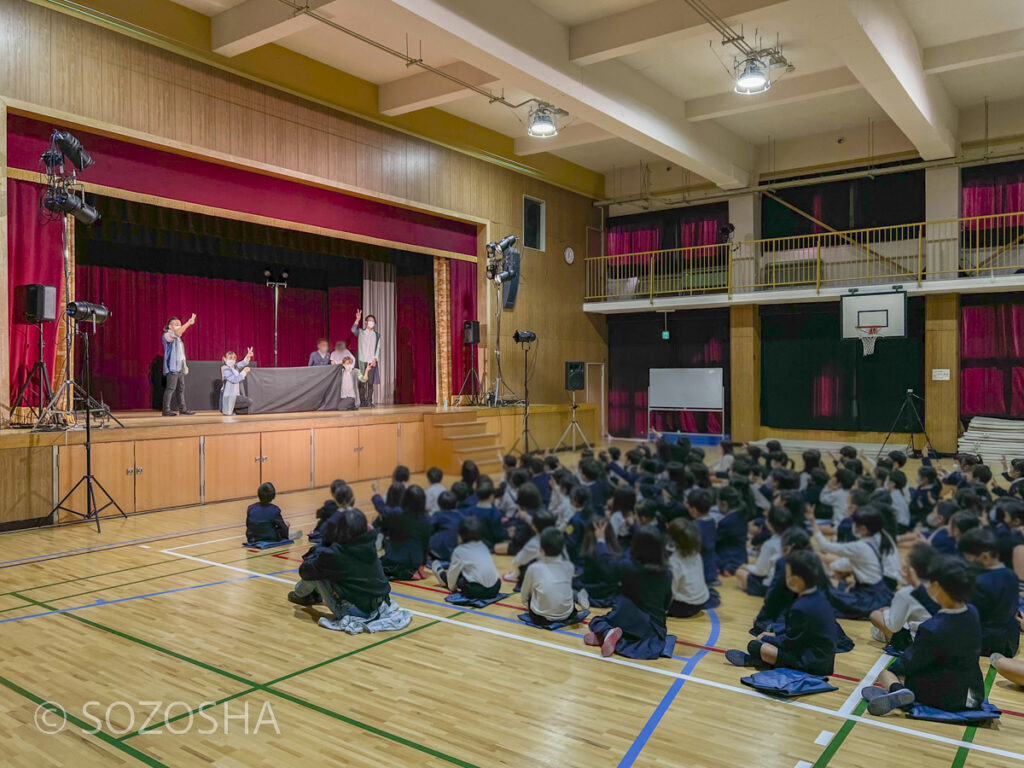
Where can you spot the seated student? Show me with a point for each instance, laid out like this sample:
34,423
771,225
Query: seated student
896,484
940,668
925,495
698,504
540,478
435,489
622,514
263,520
812,461
723,466
592,479
818,480
470,475
836,495
322,354
444,527
562,483
598,581
582,514
635,626
808,641
487,513
752,579
344,571
980,477
911,605
630,472
938,519
690,593
1014,475
778,598
341,498
994,595
959,524
730,531
401,477
508,497
547,584
519,528
462,493
406,532
471,572
538,521
863,559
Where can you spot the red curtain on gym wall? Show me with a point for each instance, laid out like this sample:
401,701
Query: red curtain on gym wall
414,349
462,307
991,349
35,255
230,315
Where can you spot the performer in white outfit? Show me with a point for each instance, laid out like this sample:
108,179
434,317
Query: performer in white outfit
368,348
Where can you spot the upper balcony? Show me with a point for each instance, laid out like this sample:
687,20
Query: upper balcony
981,253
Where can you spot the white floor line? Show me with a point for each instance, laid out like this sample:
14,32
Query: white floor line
873,722
804,764
201,543
824,738
869,679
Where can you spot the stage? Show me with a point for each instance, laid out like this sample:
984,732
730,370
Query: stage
157,462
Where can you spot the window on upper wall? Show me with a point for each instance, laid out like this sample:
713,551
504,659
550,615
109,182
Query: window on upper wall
533,223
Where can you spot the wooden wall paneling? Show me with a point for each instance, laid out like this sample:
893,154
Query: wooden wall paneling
288,461
231,469
942,351
166,473
335,455
5,294
410,445
745,364
378,451
27,488
113,464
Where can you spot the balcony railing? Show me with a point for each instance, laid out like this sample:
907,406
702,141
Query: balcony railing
981,246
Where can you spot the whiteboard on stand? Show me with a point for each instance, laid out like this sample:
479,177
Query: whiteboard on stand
686,388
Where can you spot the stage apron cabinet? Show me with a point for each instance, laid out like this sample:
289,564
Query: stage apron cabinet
26,483
335,455
166,473
410,445
286,460
378,452
231,466
113,465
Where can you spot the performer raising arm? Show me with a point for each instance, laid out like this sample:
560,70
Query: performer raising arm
175,364
369,348
233,373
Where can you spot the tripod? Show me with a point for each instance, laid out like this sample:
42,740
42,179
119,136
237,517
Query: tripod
91,483
526,437
908,403
39,372
471,380
574,428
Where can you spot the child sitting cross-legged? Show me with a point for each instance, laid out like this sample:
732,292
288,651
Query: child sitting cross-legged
472,572
808,640
690,593
263,520
897,624
547,584
940,669
995,593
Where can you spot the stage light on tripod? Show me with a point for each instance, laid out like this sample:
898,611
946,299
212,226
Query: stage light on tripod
87,312
61,200
524,337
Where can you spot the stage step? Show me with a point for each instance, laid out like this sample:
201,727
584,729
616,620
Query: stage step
463,429
452,417
478,440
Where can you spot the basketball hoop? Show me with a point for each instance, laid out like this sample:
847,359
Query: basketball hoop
868,335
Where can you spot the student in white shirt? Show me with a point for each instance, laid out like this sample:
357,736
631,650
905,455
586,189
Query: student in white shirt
836,495
896,484
435,489
690,592
911,605
547,586
472,572
753,579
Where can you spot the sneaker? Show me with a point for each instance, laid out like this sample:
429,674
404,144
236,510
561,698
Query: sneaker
435,566
995,658
313,598
871,692
169,413
886,703
187,412
583,599
876,634
738,658
611,639
591,639
295,535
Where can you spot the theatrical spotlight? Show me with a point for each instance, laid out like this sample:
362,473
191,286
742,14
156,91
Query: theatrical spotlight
72,149
524,337
63,193
60,199
87,312
503,260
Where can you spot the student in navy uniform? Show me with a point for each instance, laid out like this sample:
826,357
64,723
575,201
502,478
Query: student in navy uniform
593,481
731,532
940,669
540,478
582,514
263,520
344,571
341,498
547,584
444,527
635,626
808,641
488,514
995,593
753,579
471,572
406,532
911,605
599,576
622,518
698,504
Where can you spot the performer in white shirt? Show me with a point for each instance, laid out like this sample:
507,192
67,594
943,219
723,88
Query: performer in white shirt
368,349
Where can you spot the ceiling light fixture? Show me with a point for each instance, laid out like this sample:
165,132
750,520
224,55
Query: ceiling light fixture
752,76
543,117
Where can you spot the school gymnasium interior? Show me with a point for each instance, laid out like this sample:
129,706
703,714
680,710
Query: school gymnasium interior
579,225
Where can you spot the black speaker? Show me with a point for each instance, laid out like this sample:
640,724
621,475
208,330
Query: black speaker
35,303
575,376
470,331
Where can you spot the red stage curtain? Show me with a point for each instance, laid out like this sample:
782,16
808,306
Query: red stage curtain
994,190
461,307
827,392
1017,408
991,345
35,255
631,238
342,303
127,353
981,392
414,351
981,332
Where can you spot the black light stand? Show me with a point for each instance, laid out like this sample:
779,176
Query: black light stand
471,381
39,372
908,404
524,338
91,483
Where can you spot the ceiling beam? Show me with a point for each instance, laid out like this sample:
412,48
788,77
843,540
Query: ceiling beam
650,26
1002,46
789,89
879,47
528,49
575,135
257,22
426,89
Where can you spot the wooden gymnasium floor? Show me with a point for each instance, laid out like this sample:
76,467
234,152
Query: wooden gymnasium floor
167,612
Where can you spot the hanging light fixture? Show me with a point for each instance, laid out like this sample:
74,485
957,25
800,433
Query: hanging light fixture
542,120
752,77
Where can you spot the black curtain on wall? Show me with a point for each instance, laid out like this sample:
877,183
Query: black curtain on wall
698,339
813,379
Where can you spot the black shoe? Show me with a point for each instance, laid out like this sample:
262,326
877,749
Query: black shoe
169,413
187,412
313,598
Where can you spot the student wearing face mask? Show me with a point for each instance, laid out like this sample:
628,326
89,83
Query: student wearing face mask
349,385
175,365
232,374
368,348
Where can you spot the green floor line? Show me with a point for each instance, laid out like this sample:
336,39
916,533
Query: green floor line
263,687
82,726
839,738
969,733
191,713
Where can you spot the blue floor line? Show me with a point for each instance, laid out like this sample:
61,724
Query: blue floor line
652,722
140,597
504,618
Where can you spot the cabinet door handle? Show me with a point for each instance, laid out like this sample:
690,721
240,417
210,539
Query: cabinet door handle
138,470
258,459
130,471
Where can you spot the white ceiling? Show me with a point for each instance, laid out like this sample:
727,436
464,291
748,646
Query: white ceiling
693,66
